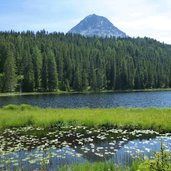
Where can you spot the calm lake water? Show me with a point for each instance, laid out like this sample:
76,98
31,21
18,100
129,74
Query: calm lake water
28,147
103,100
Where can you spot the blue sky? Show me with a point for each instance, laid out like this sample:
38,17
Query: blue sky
151,18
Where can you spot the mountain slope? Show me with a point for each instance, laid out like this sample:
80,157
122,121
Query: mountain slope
94,25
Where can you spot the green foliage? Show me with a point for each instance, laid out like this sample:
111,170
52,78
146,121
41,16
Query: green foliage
151,118
50,62
1,81
9,73
78,86
11,107
28,80
18,107
52,72
44,74
161,162
100,166
37,66
26,107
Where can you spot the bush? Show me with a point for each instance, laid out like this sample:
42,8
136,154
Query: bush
11,107
18,107
161,162
25,107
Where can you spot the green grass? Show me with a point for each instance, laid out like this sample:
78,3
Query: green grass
134,118
100,166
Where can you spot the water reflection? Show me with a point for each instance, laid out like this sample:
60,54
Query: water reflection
28,147
104,100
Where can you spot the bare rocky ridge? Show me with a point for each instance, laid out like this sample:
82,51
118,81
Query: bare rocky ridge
94,25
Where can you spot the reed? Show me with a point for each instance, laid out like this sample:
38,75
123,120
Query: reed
132,118
100,166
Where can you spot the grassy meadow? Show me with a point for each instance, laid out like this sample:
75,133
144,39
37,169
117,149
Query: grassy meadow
133,118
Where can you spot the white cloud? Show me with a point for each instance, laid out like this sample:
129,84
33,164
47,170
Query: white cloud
138,17
135,17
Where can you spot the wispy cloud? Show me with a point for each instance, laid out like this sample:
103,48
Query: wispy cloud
137,18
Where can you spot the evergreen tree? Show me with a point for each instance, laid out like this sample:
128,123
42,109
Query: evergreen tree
52,72
44,75
1,81
9,79
39,60
77,85
37,66
28,80
85,83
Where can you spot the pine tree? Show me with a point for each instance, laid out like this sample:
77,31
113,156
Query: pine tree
1,81
81,63
52,72
28,80
10,80
84,80
37,65
44,74
77,85
93,82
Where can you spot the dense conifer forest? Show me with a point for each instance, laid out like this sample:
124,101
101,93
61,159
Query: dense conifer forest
54,61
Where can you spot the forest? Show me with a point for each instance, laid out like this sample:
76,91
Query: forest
43,62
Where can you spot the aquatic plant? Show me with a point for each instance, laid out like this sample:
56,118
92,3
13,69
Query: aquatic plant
72,141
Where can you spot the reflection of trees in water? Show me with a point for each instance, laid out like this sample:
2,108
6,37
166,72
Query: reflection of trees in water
110,147
109,150
105,152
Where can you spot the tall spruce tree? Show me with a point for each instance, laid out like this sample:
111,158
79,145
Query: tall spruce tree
10,78
52,72
28,73
1,81
77,82
44,74
37,66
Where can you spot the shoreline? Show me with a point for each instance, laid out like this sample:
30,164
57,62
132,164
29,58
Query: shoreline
82,92
157,119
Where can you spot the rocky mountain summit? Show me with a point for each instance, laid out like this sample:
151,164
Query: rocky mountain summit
94,25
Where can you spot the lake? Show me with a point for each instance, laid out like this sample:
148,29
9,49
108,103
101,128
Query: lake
27,147
158,99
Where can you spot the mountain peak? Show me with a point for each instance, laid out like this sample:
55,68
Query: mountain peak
93,15
94,25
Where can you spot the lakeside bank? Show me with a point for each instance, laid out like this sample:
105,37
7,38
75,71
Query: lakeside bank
81,92
131,118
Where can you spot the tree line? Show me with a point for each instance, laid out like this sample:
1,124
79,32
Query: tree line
54,61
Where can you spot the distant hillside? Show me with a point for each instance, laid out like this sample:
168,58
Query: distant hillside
94,25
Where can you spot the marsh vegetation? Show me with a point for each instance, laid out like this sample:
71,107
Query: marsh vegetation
131,118
35,138
30,148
